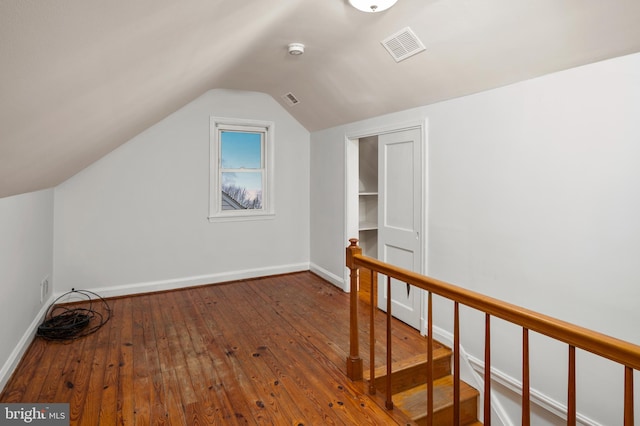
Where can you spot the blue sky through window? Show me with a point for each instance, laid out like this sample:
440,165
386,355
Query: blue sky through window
241,150
250,181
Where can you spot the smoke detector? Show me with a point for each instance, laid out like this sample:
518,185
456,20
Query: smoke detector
296,49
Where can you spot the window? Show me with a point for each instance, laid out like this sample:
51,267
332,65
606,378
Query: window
241,169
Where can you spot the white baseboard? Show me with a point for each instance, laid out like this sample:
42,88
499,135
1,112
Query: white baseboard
177,283
471,376
477,371
538,398
329,276
146,287
16,355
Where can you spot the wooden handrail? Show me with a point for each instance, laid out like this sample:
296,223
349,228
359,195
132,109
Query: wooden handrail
606,346
617,350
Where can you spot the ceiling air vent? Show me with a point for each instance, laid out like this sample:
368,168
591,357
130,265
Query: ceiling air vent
290,99
403,44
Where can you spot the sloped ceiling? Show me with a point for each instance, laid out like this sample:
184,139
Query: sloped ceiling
80,77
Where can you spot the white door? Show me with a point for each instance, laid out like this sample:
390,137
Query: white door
399,219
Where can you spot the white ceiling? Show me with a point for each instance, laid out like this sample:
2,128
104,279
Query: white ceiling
80,77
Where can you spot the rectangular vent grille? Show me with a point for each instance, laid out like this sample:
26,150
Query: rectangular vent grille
403,44
290,99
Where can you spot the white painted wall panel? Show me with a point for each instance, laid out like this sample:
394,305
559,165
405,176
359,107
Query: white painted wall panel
534,198
137,219
26,258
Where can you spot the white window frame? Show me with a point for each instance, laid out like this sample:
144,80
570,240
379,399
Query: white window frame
219,124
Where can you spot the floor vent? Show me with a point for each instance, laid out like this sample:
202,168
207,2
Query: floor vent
403,44
290,99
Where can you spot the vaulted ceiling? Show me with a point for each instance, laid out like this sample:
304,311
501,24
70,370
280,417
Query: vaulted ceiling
80,77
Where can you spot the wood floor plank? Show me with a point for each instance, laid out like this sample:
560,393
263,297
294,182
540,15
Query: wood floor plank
235,337
79,384
107,411
156,410
199,407
329,391
125,394
234,406
173,404
256,352
28,374
264,351
142,365
320,325
63,353
312,326
45,376
338,391
95,386
209,382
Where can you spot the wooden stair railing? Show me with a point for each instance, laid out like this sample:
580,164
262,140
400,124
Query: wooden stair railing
621,352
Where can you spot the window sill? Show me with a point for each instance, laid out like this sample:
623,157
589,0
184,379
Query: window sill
239,217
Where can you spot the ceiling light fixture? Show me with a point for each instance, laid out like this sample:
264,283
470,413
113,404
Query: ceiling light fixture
296,49
372,5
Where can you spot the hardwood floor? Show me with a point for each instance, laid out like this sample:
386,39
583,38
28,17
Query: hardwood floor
263,351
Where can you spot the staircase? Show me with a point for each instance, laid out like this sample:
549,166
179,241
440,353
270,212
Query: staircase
409,390
409,383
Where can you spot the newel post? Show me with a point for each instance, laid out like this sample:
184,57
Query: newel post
354,362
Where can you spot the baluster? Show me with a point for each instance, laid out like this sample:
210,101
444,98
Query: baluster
430,360
628,396
526,398
389,401
372,331
571,393
487,370
456,364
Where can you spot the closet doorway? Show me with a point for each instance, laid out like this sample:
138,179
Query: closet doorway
385,209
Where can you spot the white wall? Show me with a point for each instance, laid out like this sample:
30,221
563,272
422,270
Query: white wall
137,219
534,198
26,258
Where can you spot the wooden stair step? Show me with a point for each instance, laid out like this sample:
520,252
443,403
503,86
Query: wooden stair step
411,372
414,402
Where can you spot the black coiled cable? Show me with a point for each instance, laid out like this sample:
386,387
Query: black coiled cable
67,323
